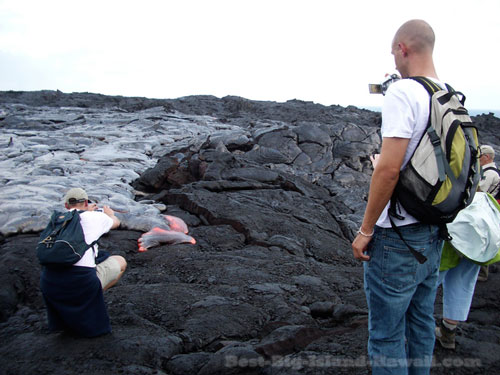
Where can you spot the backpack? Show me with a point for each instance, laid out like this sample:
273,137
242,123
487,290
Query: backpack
497,195
442,175
62,242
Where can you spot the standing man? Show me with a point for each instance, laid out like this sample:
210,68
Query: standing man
74,295
490,183
490,180
400,292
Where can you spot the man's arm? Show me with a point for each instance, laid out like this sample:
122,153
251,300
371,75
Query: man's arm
384,180
109,211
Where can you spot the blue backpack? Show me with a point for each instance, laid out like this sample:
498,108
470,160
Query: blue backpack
62,242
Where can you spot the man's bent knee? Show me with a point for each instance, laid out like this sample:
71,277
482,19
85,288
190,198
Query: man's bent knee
111,270
121,260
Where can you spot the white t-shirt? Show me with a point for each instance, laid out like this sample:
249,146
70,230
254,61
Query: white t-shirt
490,180
94,225
405,114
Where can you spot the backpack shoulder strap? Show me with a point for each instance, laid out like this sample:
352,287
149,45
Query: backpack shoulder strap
420,257
497,195
449,88
428,84
492,169
432,88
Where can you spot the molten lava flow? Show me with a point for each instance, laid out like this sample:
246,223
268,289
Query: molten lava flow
176,224
158,236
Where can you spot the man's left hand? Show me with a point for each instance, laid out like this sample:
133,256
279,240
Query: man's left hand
359,246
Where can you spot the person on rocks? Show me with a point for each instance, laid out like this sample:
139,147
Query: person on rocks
490,179
458,284
490,183
474,238
400,292
74,295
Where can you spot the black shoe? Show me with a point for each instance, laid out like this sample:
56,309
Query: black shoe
446,337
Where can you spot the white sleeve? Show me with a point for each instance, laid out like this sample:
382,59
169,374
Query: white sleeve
398,119
95,224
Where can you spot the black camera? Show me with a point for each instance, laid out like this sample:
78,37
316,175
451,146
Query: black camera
381,88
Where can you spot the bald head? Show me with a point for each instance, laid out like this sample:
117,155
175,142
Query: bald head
417,35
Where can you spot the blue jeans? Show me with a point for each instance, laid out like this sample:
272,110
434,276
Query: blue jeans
400,294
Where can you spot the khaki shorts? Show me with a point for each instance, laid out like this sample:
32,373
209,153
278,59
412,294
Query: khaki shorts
108,271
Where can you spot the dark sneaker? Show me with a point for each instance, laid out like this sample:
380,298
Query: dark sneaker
446,337
483,273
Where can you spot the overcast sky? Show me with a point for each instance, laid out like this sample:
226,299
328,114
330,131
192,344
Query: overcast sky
315,50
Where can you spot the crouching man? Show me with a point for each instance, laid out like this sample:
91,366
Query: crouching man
74,295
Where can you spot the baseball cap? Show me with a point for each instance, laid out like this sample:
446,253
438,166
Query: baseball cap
75,195
485,149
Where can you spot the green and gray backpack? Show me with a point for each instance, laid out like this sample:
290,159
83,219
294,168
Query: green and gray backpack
442,175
